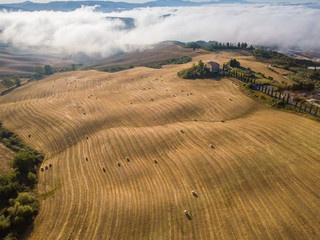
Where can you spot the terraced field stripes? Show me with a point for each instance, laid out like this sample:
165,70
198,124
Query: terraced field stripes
261,180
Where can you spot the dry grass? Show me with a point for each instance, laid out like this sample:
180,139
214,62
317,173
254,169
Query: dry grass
260,182
6,156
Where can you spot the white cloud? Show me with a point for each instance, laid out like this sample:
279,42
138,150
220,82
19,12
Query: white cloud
90,32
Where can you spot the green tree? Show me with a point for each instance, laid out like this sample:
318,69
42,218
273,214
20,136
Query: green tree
16,80
39,71
234,63
7,82
25,161
48,70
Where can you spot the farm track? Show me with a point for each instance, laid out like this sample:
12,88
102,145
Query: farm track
260,182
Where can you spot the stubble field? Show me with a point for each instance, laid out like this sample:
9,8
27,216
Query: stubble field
259,181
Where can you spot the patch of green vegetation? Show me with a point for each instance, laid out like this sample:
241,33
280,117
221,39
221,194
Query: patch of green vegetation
49,193
304,79
18,203
196,71
115,68
283,61
11,81
182,60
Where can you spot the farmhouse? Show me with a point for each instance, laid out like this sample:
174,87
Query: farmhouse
213,66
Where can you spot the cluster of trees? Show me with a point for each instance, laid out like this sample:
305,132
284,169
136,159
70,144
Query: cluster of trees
182,60
283,61
40,71
213,46
196,71
11,81
115,68
304,85
233,63
18,204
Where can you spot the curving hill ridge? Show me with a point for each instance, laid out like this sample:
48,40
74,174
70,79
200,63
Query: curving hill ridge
261,180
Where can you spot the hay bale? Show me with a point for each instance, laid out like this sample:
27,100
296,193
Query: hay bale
152,99
194,119
103,169
46,167
190,93
185,212
181,131
155,161
87,137
173,95
29,135
222,120
194,194
50,165
182,90
42,169
211,146
87,159
118,164
128,160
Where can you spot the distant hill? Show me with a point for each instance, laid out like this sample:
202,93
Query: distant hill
104,6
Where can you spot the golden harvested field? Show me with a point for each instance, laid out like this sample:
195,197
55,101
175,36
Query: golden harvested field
260,181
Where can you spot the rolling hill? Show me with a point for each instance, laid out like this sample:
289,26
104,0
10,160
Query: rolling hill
255,174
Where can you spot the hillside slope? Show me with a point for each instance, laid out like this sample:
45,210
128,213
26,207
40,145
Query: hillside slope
261,180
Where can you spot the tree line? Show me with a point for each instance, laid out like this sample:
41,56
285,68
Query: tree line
213,45
18,202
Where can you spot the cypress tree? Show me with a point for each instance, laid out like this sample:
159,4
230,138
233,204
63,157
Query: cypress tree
300,106
316,111
288,98
310,108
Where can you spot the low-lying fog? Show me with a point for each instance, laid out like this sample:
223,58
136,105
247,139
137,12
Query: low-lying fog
101,34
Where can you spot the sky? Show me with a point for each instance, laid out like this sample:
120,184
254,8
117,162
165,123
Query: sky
140,1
